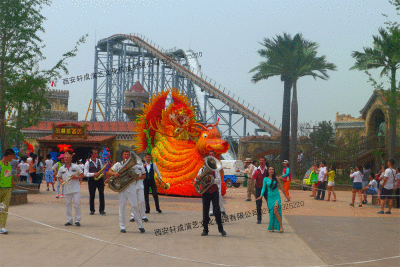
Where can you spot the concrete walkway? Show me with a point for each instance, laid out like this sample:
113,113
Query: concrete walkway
98,242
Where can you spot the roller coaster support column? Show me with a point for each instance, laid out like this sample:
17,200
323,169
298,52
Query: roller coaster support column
96,57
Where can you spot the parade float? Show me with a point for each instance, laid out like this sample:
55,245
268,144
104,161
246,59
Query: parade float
176,141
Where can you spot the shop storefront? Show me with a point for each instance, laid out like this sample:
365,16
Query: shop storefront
48,137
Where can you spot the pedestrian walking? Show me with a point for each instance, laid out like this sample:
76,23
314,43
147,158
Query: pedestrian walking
251,183
387,188
258,175
331,183
23,169
397,188
314,180
48,173
322,181
272,183
357,185
32,169
286,179
365,181
39,171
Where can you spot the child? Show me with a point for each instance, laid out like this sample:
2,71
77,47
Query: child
331,183
372,188
314,180
23,169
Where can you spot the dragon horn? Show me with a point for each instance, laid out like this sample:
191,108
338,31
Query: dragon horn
213,125
200,125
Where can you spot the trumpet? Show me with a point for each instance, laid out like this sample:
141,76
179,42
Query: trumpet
166,185
67,180
101,173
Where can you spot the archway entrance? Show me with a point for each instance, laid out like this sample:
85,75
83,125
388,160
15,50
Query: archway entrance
376,122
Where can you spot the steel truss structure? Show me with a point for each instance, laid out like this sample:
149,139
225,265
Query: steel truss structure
121,60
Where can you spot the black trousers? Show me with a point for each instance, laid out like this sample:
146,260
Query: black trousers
259,202
33,176
398,198
207,198
321,190
99,184
147,184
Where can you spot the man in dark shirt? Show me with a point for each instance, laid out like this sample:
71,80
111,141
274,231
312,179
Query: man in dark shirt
259,174
211,195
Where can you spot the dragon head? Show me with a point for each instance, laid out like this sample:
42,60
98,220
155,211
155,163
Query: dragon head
210,139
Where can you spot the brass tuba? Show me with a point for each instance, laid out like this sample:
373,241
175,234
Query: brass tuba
206,180
127,174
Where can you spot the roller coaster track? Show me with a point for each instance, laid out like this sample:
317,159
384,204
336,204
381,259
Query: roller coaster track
199,81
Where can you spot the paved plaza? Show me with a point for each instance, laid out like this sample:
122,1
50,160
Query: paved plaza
318,233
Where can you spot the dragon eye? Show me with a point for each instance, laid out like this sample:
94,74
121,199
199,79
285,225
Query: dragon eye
205,135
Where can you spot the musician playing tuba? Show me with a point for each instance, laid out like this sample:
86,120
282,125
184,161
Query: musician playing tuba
130,193
211,195
72,188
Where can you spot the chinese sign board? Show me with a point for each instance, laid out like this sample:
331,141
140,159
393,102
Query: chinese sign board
69,130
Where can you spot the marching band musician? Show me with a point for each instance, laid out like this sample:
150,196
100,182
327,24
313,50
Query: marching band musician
71,188
218,176
212,195
92,168
150,167
130,193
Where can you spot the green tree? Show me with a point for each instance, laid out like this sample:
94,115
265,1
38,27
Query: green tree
27,97
386,55
323,135
21,24
306,64
278,55
291,58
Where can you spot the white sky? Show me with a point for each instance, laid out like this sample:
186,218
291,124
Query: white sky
228,35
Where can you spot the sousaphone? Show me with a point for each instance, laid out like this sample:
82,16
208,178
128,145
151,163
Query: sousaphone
127,174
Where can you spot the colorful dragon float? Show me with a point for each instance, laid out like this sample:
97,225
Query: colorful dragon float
176,141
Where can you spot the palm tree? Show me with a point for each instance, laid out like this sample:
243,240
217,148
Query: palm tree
386,55
307,64
278,55
291,58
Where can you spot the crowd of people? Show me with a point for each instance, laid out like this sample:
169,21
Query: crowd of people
385,184
262,182
69,176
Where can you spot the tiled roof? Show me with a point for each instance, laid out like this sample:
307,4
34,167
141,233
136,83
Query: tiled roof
89,139
93,126
137,87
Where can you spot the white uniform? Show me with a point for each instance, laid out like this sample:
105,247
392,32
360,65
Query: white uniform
218,182
131,194
71,190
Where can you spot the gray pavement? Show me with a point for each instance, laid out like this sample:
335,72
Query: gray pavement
319,233
247,244
340,240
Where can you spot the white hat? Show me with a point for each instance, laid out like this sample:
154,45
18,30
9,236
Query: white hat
286,161
248,160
